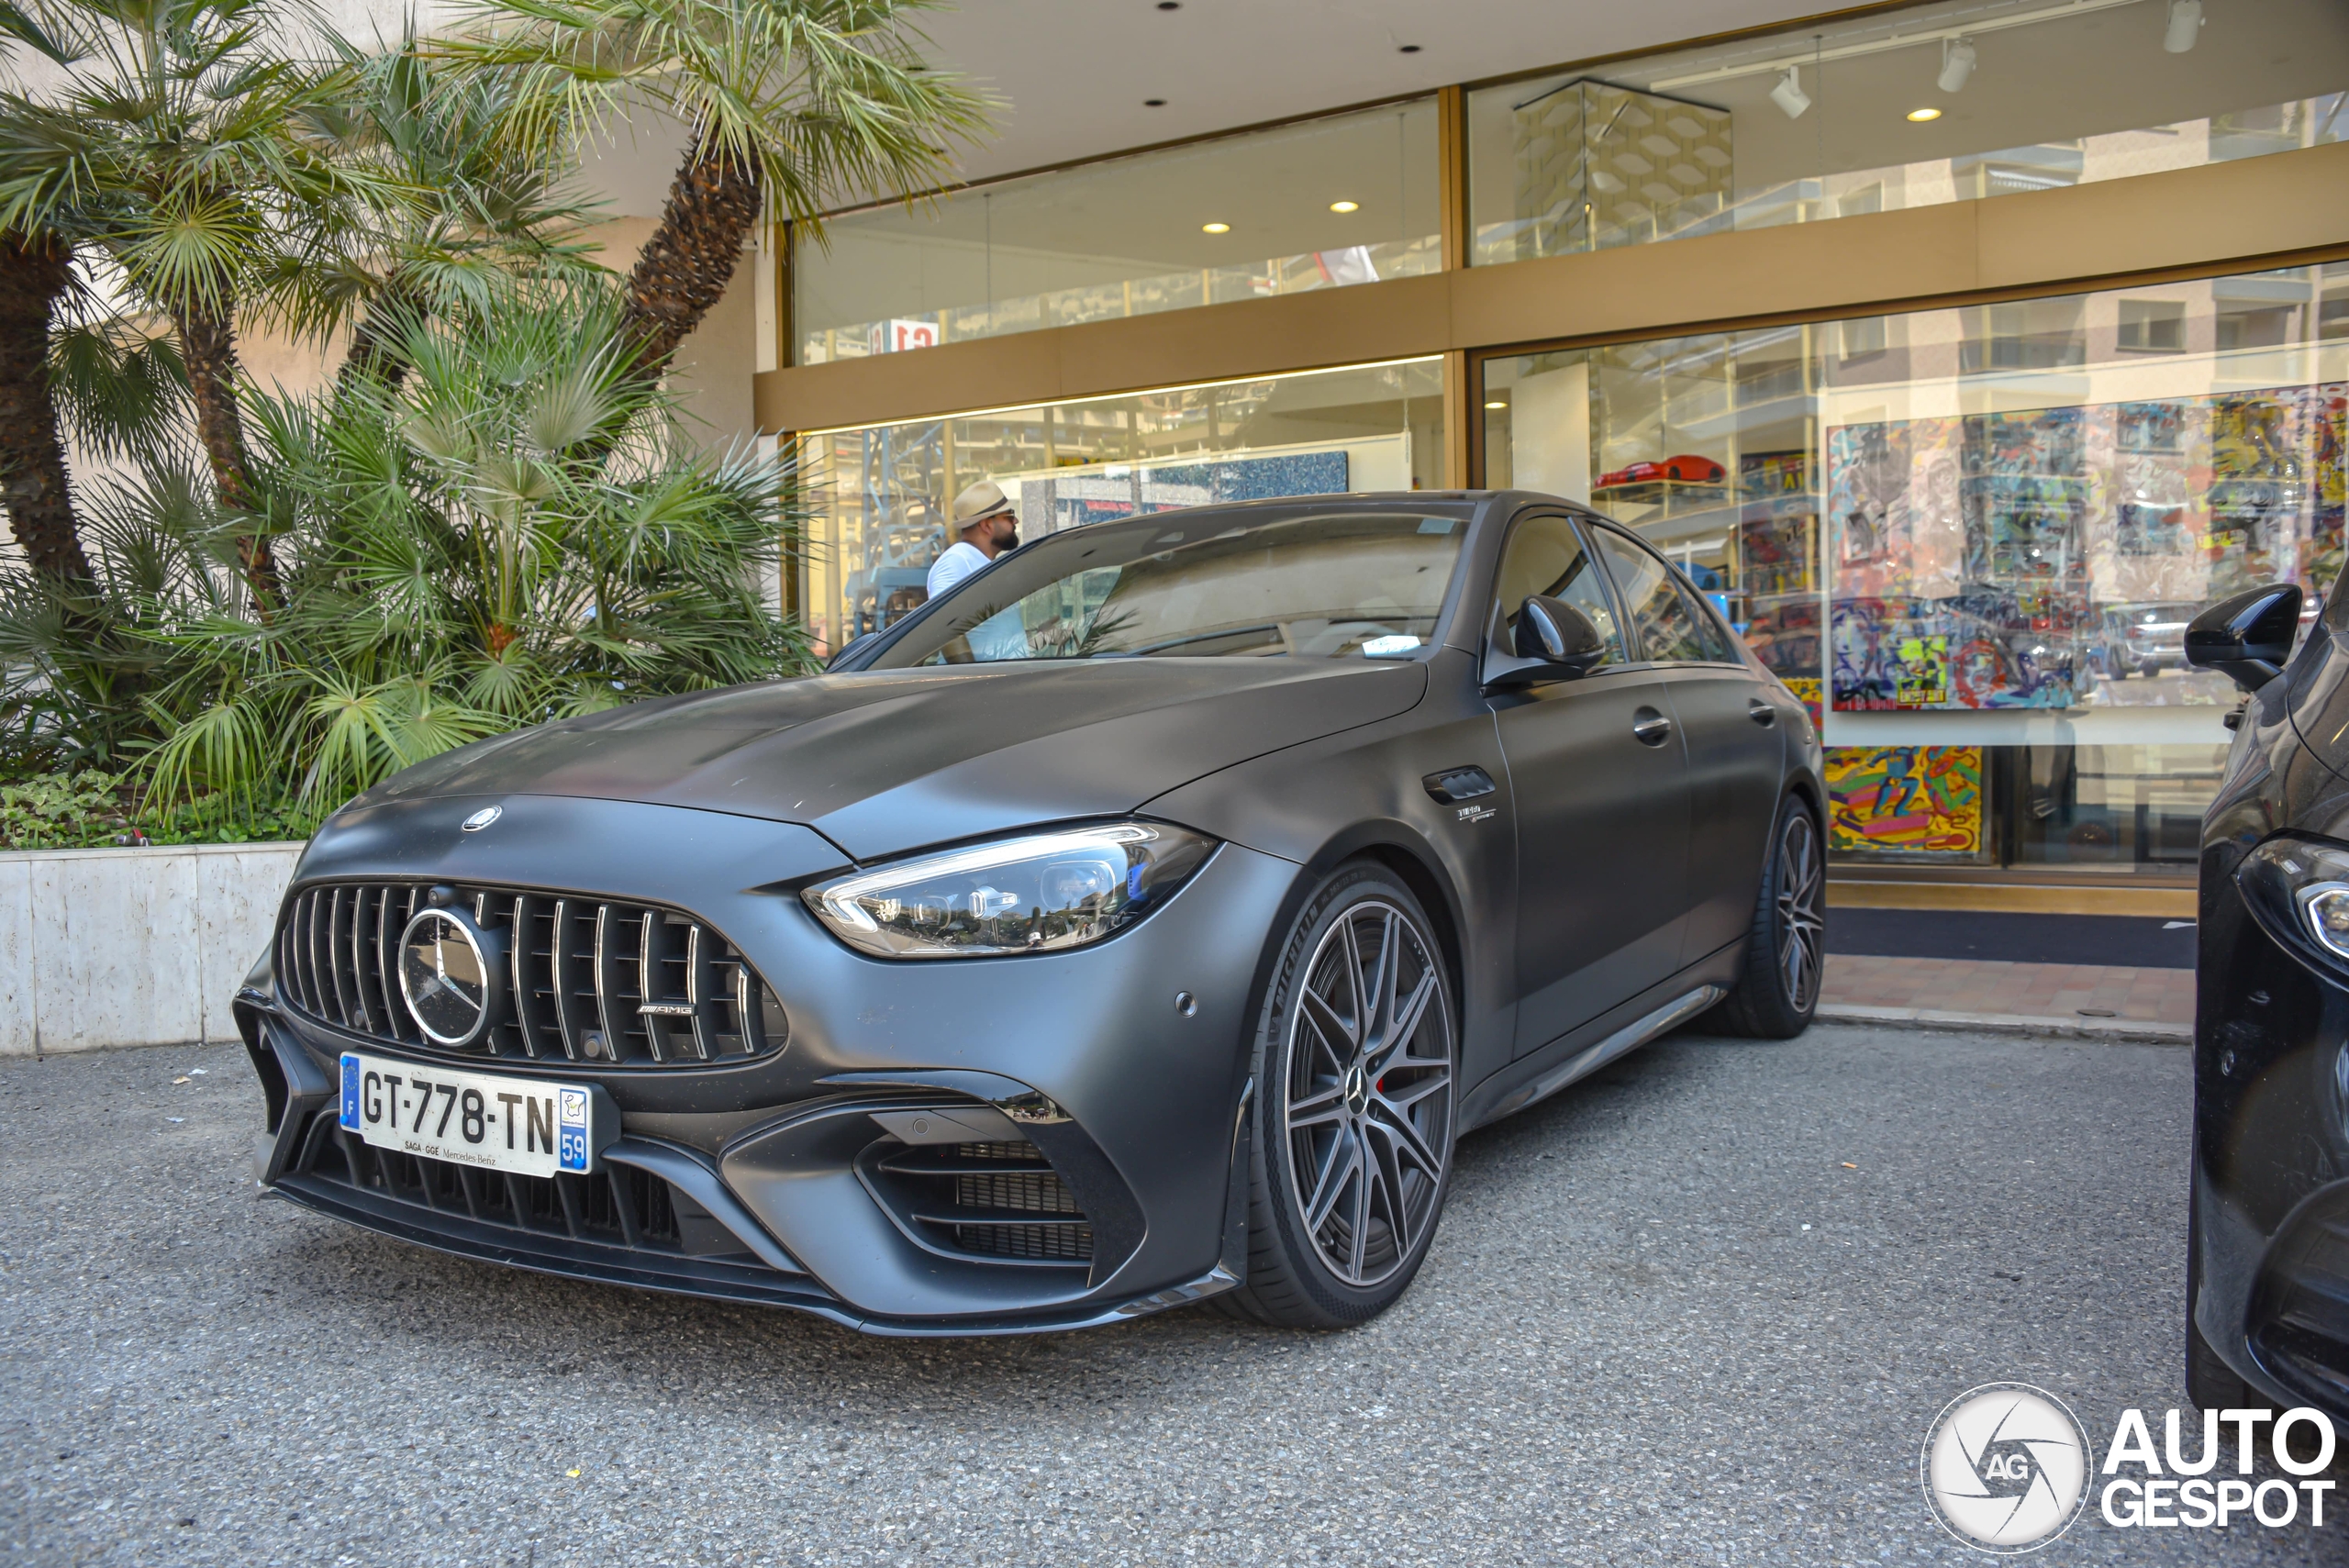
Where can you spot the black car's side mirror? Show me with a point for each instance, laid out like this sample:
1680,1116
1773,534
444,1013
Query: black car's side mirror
1559,637
2248,637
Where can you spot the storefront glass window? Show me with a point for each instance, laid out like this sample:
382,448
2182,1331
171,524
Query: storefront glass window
878,494
1938,103
1973,537
1326,204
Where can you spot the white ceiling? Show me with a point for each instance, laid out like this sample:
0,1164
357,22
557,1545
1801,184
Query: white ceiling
1075,72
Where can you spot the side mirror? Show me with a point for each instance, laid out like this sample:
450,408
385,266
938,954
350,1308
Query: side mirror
1559,637
2248,637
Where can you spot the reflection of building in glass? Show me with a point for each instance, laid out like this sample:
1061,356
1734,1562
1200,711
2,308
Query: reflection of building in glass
2023,502
877,495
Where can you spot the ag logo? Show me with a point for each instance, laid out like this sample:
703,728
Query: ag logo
2006,1467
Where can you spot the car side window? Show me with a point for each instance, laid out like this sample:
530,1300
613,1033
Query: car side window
1663,620
1546,554
1711,636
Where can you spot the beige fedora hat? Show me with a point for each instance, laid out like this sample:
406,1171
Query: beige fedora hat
982,500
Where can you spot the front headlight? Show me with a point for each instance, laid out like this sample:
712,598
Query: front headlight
1037,892
2298,889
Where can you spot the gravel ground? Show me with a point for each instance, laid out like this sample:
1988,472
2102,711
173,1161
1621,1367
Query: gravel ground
1665,1321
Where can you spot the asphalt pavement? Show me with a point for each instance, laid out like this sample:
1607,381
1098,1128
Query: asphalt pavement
1701,1309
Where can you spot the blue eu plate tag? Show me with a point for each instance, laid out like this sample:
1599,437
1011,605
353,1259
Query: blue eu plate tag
349,1092
570,1129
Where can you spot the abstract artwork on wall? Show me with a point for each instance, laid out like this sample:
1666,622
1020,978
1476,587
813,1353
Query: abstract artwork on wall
1916,800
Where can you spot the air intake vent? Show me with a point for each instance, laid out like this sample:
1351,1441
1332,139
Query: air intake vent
999,1201
627,985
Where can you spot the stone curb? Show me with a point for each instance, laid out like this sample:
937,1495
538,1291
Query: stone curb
2141,1031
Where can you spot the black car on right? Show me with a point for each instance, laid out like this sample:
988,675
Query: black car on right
2268,1270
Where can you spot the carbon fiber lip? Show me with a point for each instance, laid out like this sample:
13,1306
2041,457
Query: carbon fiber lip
565,1259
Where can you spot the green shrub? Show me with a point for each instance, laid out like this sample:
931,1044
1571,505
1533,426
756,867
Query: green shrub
519,530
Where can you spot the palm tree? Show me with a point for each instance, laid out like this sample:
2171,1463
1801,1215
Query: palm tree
36,272
792,106
171,149
478,203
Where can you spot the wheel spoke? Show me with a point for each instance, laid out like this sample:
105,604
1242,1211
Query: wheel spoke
1390,1193
1405,1139
1344,1158
1314,1110
1360,1224
1406,1017
1401,1100
1379,1027
1337,1041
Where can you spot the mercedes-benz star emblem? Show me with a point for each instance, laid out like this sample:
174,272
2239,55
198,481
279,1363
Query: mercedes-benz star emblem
444,976
482,818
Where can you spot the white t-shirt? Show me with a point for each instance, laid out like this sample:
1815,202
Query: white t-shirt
962,558
1000,635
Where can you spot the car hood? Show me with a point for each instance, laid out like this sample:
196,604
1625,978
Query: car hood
888,761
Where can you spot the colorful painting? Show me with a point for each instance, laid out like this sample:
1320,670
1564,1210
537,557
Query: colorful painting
1806,689
1916,800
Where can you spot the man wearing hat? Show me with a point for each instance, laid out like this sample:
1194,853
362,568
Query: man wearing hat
983,516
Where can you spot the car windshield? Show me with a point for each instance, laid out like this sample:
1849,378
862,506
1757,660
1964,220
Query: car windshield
1316,584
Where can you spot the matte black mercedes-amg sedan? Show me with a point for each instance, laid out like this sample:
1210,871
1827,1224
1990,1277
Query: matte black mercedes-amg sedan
2267,1266
1139,921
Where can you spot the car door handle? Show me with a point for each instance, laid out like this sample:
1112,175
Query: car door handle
1760,712
1650,726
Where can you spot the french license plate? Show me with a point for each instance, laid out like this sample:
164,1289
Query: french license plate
483,1119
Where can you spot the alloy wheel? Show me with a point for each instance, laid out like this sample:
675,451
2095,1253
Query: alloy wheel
1367,1116
1801,930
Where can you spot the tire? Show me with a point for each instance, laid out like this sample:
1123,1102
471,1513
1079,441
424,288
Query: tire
1776,993
1350,1159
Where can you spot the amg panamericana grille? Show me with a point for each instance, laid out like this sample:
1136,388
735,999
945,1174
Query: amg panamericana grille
591,980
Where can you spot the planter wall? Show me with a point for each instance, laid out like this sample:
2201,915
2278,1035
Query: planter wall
102,948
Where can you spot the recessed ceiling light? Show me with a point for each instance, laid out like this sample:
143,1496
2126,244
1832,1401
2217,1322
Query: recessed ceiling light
1215,229
1498,402
1170,4
1406,49
1921,115
1153,103
1345,206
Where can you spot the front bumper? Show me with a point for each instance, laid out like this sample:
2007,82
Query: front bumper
781,1180
2271,1161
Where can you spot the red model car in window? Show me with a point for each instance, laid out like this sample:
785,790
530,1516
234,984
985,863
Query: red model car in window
1688,469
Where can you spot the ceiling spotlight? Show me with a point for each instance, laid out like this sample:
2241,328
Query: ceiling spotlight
1921,115
2185,25
1153,103
1788,95
1498,402
1957,64
1345,206
1215,229
1406,49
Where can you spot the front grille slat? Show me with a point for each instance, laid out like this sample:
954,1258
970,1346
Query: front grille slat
560,964
580,975
343,938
